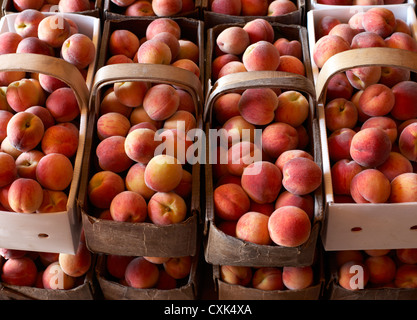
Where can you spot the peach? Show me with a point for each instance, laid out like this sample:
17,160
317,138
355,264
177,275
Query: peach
344,31
291,154
339,87
140,145
226,106
291,64
277,138
27,162
405,93
9,41
293,108
382,269
165,281
228,7
238,275
171,41
254,7
12,253
24,93
48,257
139,8
54,30
326,47
63,105
74,6
163,25
230,201
264,208
377,252
34,45
379,20
6,78
261,56
111,154
281,7
174,143
178,267
19,272
370,147
124,42
289,226
377,100
135,181
110,103
401,40
258,105
76,265
233,40
362,77
237,129
5,117
161,101
79,50
406,276
50,83
342,173
141,273
8,169
408,255
367,40
232,67
289,47
301,176
128,206
303,137
261,180
154,51
25,131
163,173
55,278
8,148
103,186
123,3
403,188
268,278
297,278
112,124
253,227
25,195
61,138
53,201
325,24
218,63
21,5
182,121
362,117
390,76
401,25
259,29
187,64
188,50
395,165
385,123
27,21
119,58
184,189
54,171
341,257
139,115
165,208
370,186
353,275
186,101
304,202
166,7
240,155
116,265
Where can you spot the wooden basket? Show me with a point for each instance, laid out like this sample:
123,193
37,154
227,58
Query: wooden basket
60,231
137,239
222,249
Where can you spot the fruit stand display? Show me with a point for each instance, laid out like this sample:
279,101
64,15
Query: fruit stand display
118,9
215,12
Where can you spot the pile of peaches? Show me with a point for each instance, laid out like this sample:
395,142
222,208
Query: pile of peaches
396,268
47,5
45,270
149,272
253,47
253,7
269,278
370,112
160,8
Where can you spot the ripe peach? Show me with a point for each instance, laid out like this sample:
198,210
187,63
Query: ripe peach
27,162
390,76
226,7
103,186
154,51
165,208
61,138
63,105
140,145
259,29
377,100
289,226
344,31
405,93
237,129
344,256
25,195
76,265
184,188
339,143
258,105
395,165
54,171
124,42
55,278
367,40
253,227
370,147
112,124
403,188
289,47
297,278
232,67
408,256
261,56
326,47
8,148
53,201
187,64
293,108
379,20
370,186
19,272
79,50
342,173
27,21
186,101
50,83
230,201
9,41
362,77
54,30
128,206
188,50
165,281
110,103
277,138
301,176
21,5
163,25
135,181
163,173
24,131
281,7
254,7
304,202
325,24
233,40
140,8
385,123
24,93
268,278
116,265
166,7
142,274
218,63
240,155
5,117
34,45
171,41
74,6
178,267
111,154
118,58
291,64
161,101
226,106
239,275
406,276
401,40
382,269
291,154
353,275
182,121
261,180
139,115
